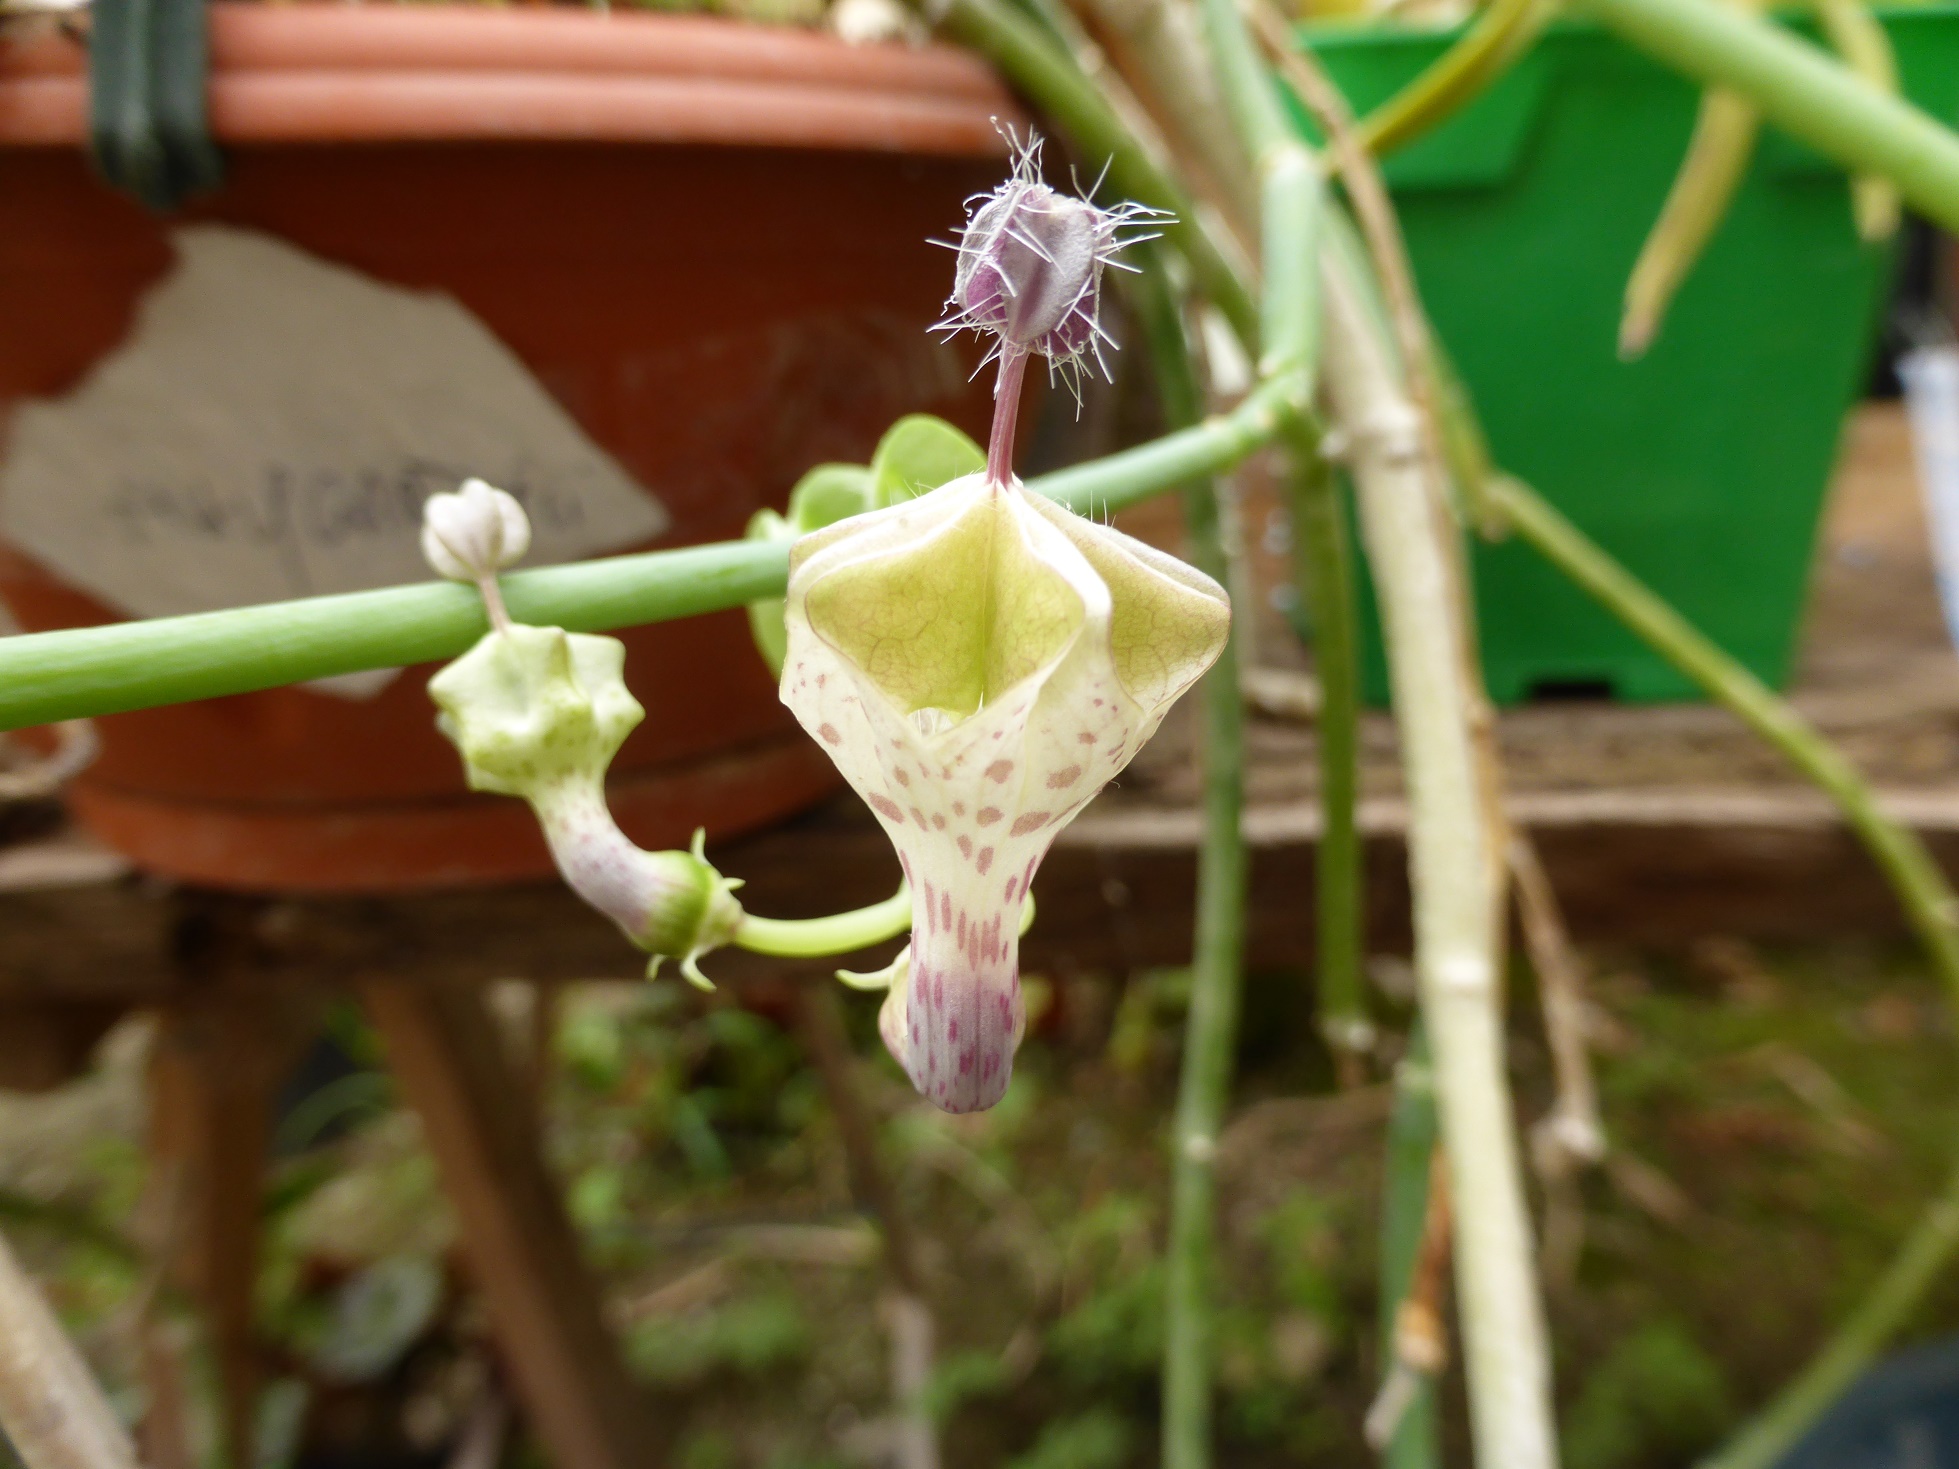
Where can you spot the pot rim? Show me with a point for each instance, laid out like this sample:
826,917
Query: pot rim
339,73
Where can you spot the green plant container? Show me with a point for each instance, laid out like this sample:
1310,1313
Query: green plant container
1703,465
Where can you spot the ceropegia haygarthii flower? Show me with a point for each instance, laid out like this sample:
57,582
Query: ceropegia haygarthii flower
979,661
538,712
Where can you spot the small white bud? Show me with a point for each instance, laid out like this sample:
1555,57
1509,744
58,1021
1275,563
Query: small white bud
473,533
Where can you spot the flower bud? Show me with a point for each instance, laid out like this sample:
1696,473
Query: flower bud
474,532
1030,267
979,662
539,713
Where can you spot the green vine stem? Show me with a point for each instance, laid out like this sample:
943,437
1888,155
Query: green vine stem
1291,203
1927,898
79,672
1217,961
1482,53
1410,541
1922,890
835,933
1407,531
1762,1443
1323,571
1800,89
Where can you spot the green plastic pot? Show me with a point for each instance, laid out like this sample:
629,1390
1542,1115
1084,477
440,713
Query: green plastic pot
1701,466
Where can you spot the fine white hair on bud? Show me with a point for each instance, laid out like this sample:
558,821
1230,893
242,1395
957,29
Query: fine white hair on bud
1030,268
474,532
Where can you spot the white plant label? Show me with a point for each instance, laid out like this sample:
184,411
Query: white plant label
1931,381
270,430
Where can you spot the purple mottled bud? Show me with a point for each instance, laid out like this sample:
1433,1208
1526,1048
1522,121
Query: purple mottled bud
1030,267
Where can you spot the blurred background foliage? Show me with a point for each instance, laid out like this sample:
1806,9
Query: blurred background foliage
1769,1112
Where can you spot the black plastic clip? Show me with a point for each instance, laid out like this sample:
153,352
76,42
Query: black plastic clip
149,129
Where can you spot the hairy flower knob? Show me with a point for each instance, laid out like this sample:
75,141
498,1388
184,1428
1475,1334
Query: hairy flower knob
979,662
539,712
473,532
1030,269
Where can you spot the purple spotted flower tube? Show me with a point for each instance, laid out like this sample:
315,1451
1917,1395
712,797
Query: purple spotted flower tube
979,662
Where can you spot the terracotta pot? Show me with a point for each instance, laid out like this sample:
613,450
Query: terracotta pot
707,241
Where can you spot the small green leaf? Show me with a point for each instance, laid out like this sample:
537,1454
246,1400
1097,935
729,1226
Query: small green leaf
827,494
918,454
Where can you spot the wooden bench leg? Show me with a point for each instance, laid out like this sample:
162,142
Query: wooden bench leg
482,1126
213,1071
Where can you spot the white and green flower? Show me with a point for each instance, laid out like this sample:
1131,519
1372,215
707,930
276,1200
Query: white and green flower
979,662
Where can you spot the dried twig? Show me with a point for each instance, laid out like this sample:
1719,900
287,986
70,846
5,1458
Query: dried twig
1420,1336
53,1410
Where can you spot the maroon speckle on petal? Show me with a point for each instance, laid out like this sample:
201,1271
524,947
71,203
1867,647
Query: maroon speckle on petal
958,808
952,1030
945,910
960,937
965,1061
1061,779
887,808
829,732
985,860
1032,821
990,814
903,779
914,1032
918,816
999,770
938,989
1085,738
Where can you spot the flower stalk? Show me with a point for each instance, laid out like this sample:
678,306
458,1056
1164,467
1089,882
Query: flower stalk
1217,946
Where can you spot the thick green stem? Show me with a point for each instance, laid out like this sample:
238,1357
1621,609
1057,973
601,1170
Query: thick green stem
1291,203
1799,89
1452,857
836,933
1922,889
1324,574
1889,1305
80,672
1210,1033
